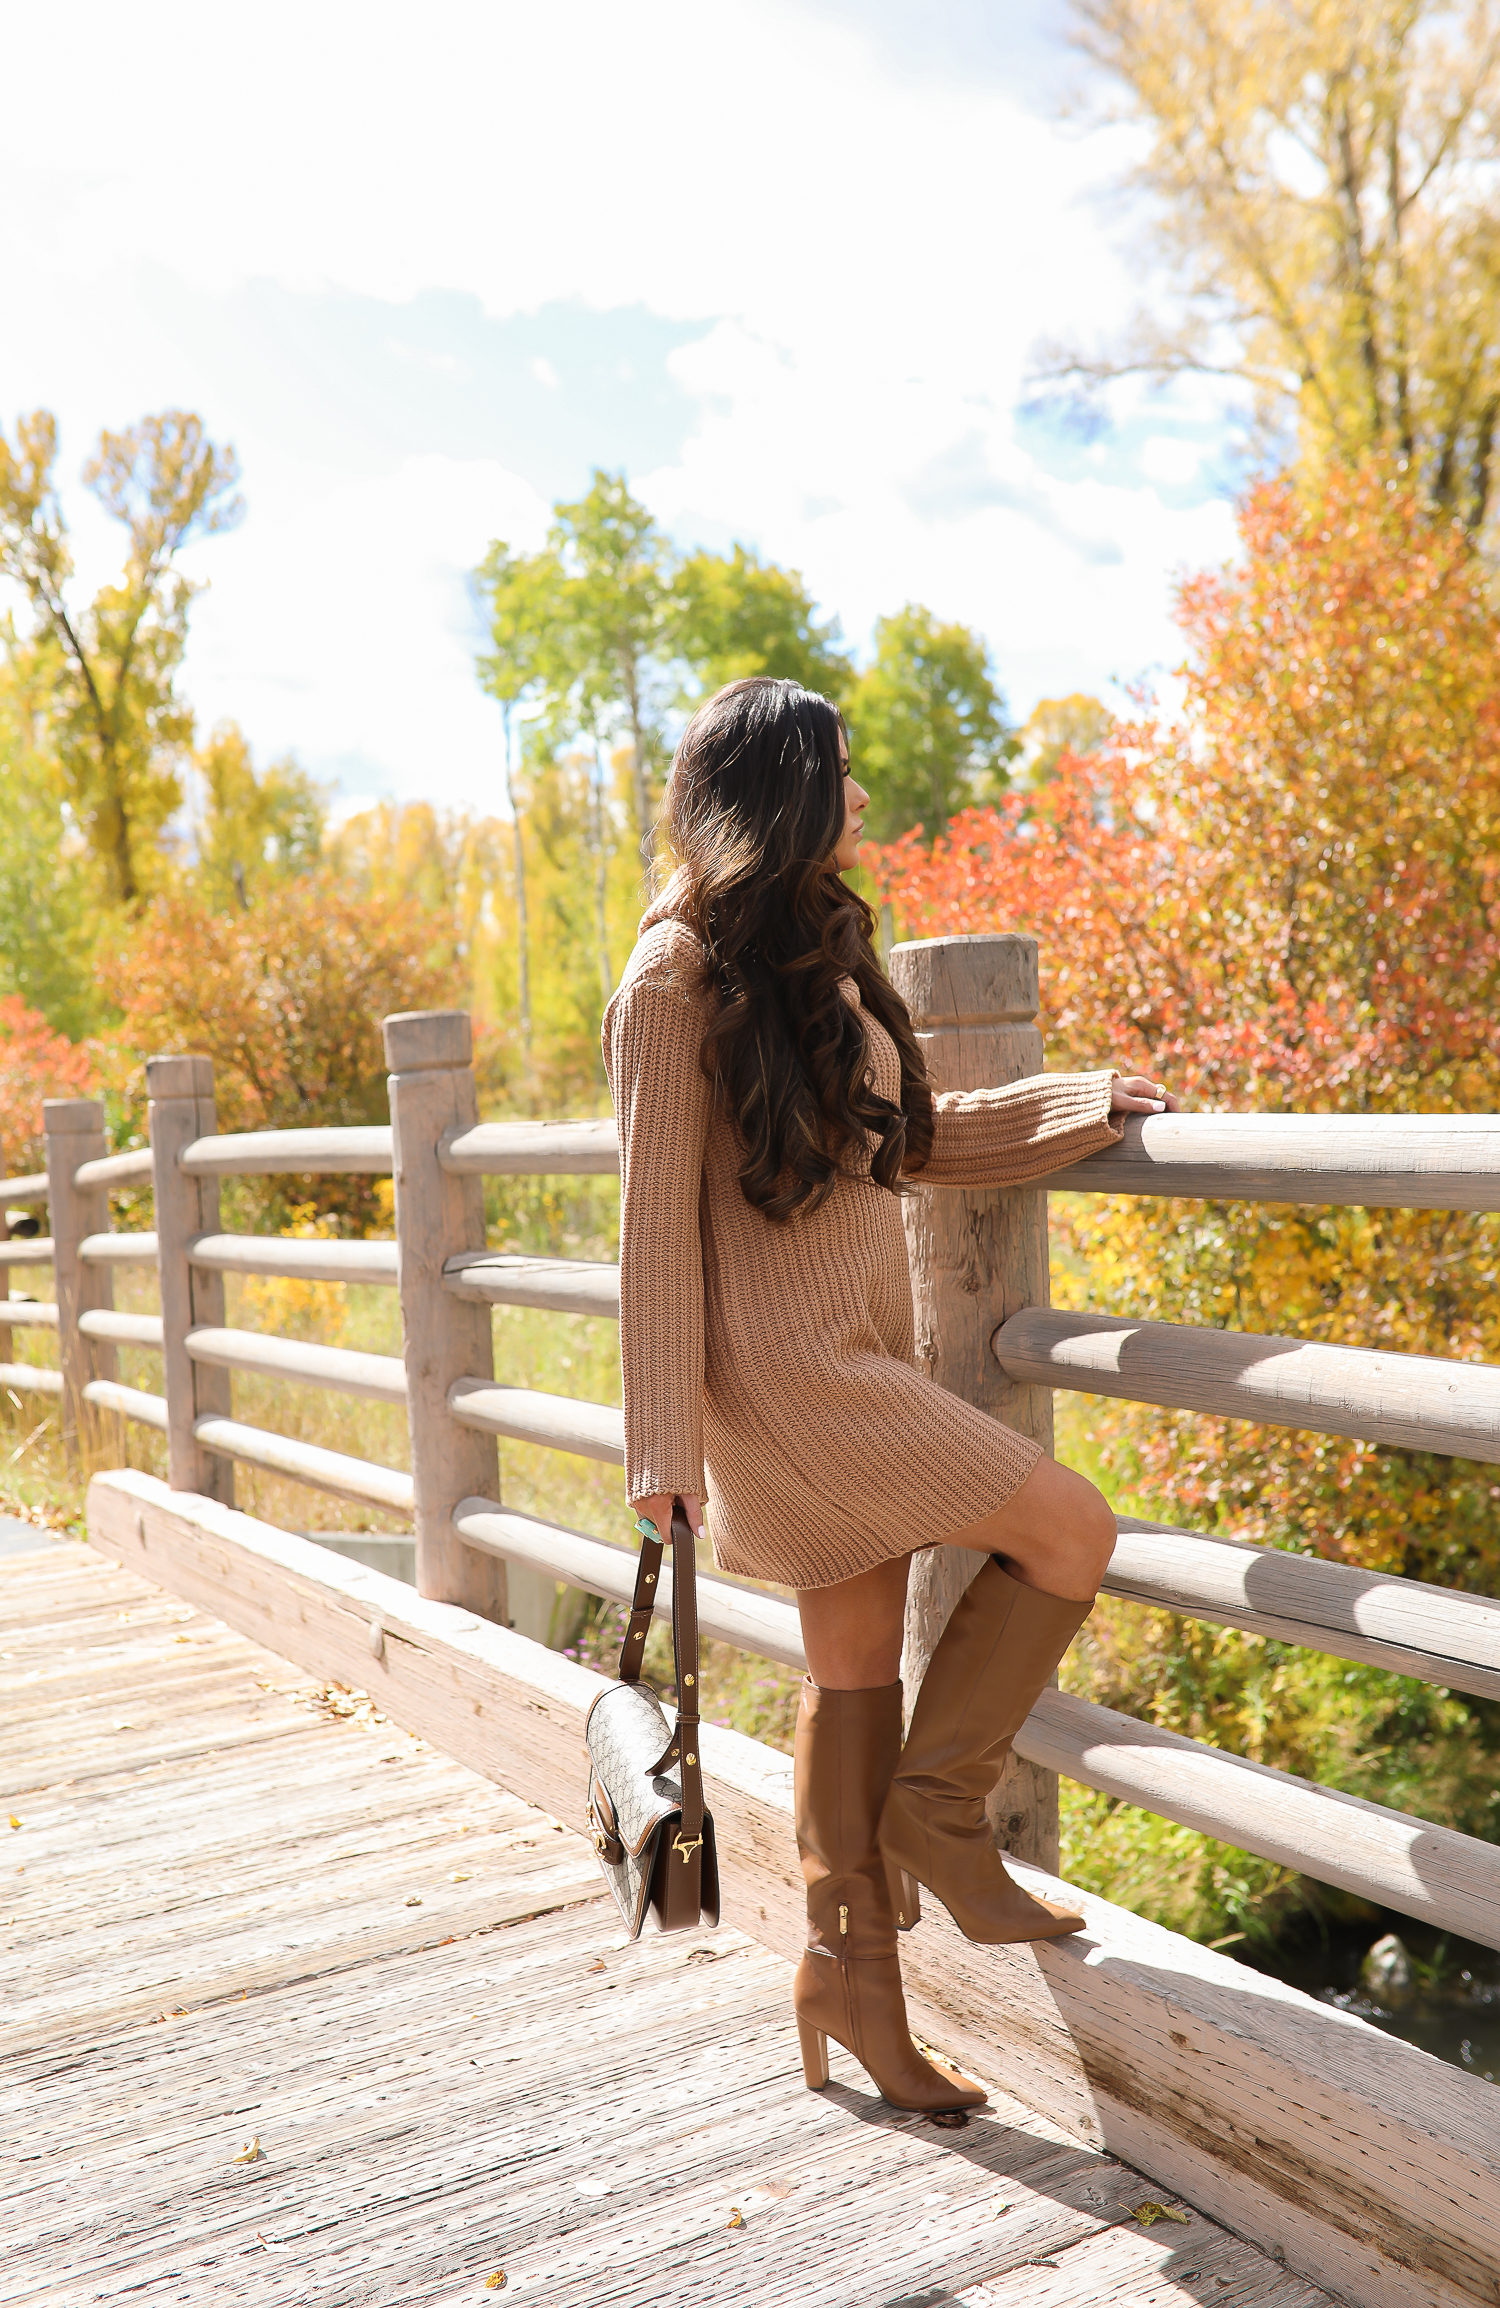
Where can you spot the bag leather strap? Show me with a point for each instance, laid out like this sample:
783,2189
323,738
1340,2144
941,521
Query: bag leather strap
683,1746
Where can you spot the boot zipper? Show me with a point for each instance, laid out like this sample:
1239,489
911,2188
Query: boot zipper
843,1923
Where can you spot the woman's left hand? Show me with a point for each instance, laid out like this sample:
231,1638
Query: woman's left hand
1138,1094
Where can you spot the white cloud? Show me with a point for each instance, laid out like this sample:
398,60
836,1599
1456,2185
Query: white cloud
859,257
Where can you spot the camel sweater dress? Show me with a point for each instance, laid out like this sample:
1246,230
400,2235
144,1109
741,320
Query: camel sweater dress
770,1368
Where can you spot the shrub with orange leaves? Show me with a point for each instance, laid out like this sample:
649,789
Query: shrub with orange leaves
287,1000
1286,896
35,1063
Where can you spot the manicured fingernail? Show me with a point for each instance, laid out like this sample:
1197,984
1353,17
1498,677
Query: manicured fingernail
701,1532
1158,1105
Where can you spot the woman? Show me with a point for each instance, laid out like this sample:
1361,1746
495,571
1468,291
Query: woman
771,1100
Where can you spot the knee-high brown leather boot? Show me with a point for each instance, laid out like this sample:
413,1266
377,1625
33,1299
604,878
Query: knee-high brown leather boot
848,1983
994,1660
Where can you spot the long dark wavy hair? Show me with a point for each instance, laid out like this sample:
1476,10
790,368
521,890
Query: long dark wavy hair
755,806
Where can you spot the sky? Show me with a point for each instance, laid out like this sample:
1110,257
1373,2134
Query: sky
784,262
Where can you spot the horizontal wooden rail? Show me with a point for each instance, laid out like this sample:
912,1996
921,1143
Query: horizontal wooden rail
561,1285
38,1251
1449,1880
295,1258
121,1329
379,1377
27,1314
748,1617
301,1153
118,1250
322,1470
31,1188
590,1430
31,1378
130,1402
1374,1161
112,1170
1403,1625
533,1149
1407,1401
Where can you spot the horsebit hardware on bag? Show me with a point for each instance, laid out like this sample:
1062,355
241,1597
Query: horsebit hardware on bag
640,1815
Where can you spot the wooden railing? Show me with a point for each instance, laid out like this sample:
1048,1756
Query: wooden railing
979,1274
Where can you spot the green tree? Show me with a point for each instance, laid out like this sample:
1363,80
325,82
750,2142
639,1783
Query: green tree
927,724
257,828
523,596
116,724
1078,725
740,616
46,921
1321,180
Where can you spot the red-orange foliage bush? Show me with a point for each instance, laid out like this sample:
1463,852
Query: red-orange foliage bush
35,1063
1286,896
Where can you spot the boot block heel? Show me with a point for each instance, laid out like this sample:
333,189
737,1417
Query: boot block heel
814,2055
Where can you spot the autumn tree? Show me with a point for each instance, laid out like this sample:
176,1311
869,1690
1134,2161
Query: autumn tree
257,827
286,999
1320,182
46,915
1291,902
739,616
35,1063
1057,728
927,724
116,724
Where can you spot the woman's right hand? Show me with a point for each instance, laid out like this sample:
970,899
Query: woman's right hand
658,1510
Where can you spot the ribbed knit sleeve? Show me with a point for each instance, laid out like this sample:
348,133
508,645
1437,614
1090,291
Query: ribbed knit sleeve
653,1031
1005,1137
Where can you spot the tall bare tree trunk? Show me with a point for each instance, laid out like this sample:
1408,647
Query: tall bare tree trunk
645,824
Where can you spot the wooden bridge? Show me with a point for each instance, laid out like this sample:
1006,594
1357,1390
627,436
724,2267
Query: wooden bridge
218,1864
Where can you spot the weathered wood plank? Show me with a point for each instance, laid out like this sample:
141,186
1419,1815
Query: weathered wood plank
370,1261
182,1110
31,1378
31,1188
118,1250
559,1285
590,1430
434,2097
1403,1625
359,1149
1375,1161
1449,1880
378,1377
746,1616
112,1170
27,1314
533,1149
438,1216
1357,2157
1407,1401
976,1253
19,1251
323,1470
130,1402
124,1329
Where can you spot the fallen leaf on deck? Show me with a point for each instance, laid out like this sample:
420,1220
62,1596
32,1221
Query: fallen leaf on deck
415,1900
1149,2214
14,1821
736,2217
593,2187
458,1879
598,1964
949,2119
250,2152
495,2283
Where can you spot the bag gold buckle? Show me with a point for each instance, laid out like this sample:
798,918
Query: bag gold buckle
687,1845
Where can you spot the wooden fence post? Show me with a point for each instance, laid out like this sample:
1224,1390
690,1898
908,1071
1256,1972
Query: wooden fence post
181,1092
977,1256
74,1130
431,1057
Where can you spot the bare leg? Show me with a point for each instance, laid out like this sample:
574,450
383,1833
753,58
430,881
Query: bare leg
852,1632
1055,1533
